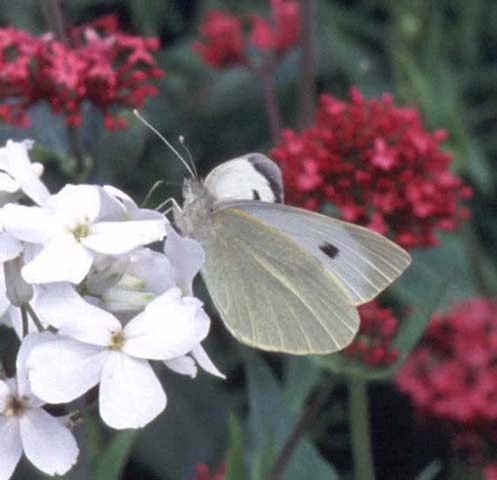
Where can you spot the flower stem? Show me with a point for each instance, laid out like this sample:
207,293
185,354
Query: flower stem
54,18
271,102
34,317
25,322
307,415
307,63
359,429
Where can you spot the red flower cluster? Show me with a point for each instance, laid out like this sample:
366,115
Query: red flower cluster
452,376
490,472
202,472
372,346
378,165
223,41
98,64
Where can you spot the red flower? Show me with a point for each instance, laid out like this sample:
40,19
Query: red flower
222,39
452,376
202,472
279,33
372,346
99,65
490,472
378,165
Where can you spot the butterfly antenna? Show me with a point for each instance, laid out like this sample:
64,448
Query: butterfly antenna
182,160
181,139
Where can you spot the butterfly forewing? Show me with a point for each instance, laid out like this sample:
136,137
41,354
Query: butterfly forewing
270,292
362,261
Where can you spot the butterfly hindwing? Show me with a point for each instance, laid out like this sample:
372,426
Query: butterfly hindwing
270,292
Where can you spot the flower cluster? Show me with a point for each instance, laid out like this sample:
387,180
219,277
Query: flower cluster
372,346
378,165
222,40
451,378
92,305
97,64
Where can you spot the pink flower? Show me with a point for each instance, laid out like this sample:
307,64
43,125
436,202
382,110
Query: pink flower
378,165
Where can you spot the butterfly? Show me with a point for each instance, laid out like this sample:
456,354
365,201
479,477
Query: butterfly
282,278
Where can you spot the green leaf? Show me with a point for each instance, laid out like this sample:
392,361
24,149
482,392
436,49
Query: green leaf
431,471
235,467
113,461
270,423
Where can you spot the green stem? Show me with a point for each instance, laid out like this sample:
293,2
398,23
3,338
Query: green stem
34,317
307,86
25,321
305,419
271,103
54,18
359,429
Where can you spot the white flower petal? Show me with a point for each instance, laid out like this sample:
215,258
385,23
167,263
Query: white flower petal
8,184
75,204
62,260
4,395
17,164
10,247
48,444
130,394
169,327
201,357
186,256
64,369
184,365
10,446
115,238
4,301
60,305
28,343
153,268
30,224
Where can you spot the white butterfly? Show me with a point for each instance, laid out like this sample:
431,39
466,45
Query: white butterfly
282,278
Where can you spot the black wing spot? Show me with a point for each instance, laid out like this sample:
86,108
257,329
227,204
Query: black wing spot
329,250
255,195
270,172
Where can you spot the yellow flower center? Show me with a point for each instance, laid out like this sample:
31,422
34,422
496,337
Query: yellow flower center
117,341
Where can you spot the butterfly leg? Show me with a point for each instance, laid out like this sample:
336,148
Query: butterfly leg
171,204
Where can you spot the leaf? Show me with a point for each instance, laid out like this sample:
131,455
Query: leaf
300,376
112,462
270,423
430,472
235,467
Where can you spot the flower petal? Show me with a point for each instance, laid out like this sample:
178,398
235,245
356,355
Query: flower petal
169,327
60,305
201,357
186,256
184,365
75,204
130,394
4,396
28,343
62,260
30,224
10,446
115,238
10,247
64,369
48,444
16,162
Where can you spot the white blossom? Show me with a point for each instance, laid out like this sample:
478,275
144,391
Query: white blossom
74,226
18,174
96,349
26,427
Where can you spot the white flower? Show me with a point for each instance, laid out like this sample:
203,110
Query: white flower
186,258
96,348
25,426
74,226
17,173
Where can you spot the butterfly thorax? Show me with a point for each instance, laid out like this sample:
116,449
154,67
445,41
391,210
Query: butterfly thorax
194,219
